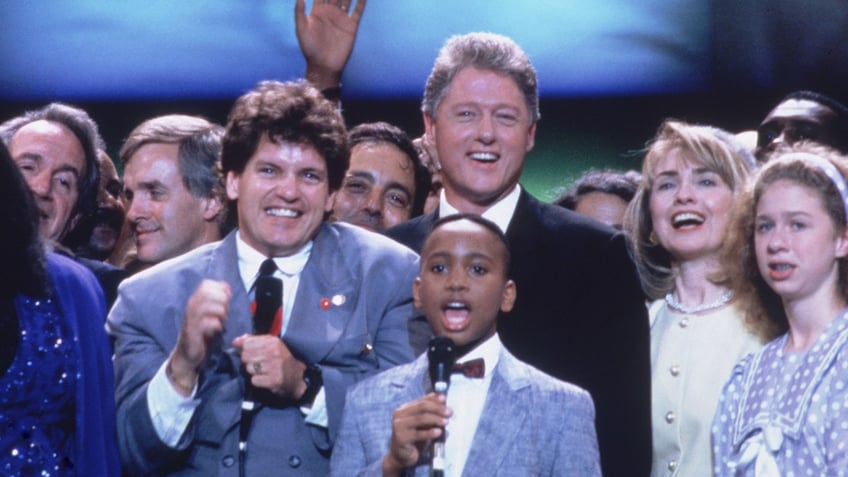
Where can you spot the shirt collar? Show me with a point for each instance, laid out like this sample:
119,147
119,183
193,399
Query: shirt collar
249,260
500,213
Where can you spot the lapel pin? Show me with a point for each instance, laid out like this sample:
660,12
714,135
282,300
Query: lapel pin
325,303
339,300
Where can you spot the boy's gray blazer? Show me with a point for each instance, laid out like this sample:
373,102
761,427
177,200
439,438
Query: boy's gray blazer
350,339
532,424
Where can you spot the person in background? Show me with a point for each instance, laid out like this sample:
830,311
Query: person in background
55,148
57,407
800,116
109,215
677,223
602,195
508,419
173,186
385,184
783,409
186,346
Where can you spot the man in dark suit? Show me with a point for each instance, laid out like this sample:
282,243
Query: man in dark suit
506,419
184,346
580,315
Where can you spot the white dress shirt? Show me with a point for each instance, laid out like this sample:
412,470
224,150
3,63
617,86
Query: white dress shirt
466,397
170,411
500,213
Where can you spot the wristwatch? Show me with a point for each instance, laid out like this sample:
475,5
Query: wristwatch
314,380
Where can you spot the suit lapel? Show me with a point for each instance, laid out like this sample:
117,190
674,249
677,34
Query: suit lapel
326,298
501,420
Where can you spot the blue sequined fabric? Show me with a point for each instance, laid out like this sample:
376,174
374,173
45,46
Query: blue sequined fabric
37,395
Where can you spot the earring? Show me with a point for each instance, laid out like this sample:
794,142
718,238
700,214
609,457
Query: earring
652,237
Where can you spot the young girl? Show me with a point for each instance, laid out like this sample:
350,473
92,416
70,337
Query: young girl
784,410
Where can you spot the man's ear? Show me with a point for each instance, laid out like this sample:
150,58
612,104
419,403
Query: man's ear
232,185
331,202
211,208
430,137
531,137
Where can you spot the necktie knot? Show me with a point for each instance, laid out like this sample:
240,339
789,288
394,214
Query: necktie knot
475,368
267,268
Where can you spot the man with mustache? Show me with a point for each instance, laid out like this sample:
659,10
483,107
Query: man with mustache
173,187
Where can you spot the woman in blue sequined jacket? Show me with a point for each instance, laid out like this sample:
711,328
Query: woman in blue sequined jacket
56,385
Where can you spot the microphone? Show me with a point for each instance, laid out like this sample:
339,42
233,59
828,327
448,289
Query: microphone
269,300
440,355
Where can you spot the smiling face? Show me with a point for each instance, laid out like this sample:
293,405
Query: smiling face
690,207
482,132
378,188
282,197
795,241
52,161
463,285
166,220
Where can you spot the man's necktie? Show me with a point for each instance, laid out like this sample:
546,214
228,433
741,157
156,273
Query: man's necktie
267,307
475,368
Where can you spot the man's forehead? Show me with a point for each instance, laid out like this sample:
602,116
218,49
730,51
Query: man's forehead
800,109
43,137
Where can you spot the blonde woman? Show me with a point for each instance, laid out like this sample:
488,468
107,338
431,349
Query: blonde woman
677,223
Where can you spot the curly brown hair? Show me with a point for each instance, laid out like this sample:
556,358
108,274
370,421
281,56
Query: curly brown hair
293,112
764,313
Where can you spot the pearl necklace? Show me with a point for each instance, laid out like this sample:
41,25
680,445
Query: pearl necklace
674,305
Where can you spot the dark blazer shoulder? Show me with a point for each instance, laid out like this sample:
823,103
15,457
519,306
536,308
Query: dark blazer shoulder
413,232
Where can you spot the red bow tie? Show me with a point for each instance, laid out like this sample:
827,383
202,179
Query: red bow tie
476,368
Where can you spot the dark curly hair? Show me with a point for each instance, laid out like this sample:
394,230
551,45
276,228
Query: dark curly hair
292,112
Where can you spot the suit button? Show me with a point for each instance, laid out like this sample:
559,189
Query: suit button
674,370
228,461
684,322
669,417
672,465
295,461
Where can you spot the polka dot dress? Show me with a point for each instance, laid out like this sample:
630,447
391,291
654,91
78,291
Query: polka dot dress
786,414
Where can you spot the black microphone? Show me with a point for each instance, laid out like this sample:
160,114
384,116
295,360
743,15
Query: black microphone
269,299
440,355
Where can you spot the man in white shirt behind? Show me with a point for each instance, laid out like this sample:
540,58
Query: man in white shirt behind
511,419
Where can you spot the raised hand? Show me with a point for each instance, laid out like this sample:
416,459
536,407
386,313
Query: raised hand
326,37
205,314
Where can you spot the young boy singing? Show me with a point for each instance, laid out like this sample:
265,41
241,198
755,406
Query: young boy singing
507,418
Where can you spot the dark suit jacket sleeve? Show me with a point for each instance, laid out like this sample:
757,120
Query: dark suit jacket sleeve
626,405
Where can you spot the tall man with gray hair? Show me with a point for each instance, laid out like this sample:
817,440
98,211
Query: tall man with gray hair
173,186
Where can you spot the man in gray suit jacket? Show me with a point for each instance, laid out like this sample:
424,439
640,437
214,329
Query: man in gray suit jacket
184,346
512,420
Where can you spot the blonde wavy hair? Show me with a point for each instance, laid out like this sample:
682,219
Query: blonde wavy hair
707,146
